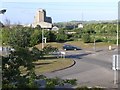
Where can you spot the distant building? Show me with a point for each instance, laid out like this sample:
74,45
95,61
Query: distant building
44,25
48,19
80,25
70,32
27,25
41,19
55,28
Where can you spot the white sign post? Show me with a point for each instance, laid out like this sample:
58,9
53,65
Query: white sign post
116,67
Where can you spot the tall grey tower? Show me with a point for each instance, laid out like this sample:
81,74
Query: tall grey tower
40,16
41,19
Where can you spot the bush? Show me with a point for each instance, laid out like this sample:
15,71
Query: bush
86,38
98,40
61,36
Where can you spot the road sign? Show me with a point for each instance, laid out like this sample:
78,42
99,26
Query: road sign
116,67
116,62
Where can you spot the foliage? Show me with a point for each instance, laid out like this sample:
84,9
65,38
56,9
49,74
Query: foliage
54,82
35,37
36,53
16,36
72,81
5,34
86,88
20,38
50,35
104,31
38,27
48,48
12,76
86,38
61,36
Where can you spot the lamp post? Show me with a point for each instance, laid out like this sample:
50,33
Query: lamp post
117,32
94,43
2,11
43,39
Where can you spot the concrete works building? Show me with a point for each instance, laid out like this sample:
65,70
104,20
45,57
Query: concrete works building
42,20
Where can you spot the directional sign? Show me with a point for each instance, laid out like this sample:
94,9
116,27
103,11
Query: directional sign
116,62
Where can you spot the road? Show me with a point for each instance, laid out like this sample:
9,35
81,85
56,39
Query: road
91,68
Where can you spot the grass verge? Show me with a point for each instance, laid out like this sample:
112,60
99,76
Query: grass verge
80,44
48,65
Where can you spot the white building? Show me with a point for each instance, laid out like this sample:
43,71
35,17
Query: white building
42,20
55,28
80,25
43,25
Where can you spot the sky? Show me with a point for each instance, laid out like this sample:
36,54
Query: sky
23,11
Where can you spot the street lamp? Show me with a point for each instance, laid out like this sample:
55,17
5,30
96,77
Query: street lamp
43,39
94,43
2,11
117,31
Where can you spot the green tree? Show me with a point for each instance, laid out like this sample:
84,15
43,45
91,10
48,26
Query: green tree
36,37
2,11
86,38
19,37
5,34
50,35
61,36
12,76
47,49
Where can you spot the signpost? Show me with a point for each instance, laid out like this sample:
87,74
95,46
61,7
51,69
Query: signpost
43,39
116,67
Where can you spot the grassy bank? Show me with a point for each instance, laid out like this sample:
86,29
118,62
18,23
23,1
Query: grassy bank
48,65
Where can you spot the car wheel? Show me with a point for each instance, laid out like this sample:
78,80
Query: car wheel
75,49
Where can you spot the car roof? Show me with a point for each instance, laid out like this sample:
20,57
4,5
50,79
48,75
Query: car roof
67,45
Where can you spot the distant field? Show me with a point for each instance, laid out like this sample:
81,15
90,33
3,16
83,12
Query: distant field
77,43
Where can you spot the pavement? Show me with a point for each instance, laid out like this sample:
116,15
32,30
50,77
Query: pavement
92,68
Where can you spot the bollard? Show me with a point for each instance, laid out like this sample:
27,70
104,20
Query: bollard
110,48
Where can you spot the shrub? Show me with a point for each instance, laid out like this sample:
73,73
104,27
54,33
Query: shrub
86,38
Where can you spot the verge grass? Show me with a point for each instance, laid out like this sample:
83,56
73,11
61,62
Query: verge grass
80,44
48,65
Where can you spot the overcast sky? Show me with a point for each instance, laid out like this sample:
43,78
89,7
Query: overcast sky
60,10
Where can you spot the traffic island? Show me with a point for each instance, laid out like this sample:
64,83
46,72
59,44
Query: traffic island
47,65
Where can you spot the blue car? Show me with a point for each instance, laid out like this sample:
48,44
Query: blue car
70,47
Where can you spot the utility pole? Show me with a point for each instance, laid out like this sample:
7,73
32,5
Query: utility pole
117,32
118,21
42,38
94,43
2,11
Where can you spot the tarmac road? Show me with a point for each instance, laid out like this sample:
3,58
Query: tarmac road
91,68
